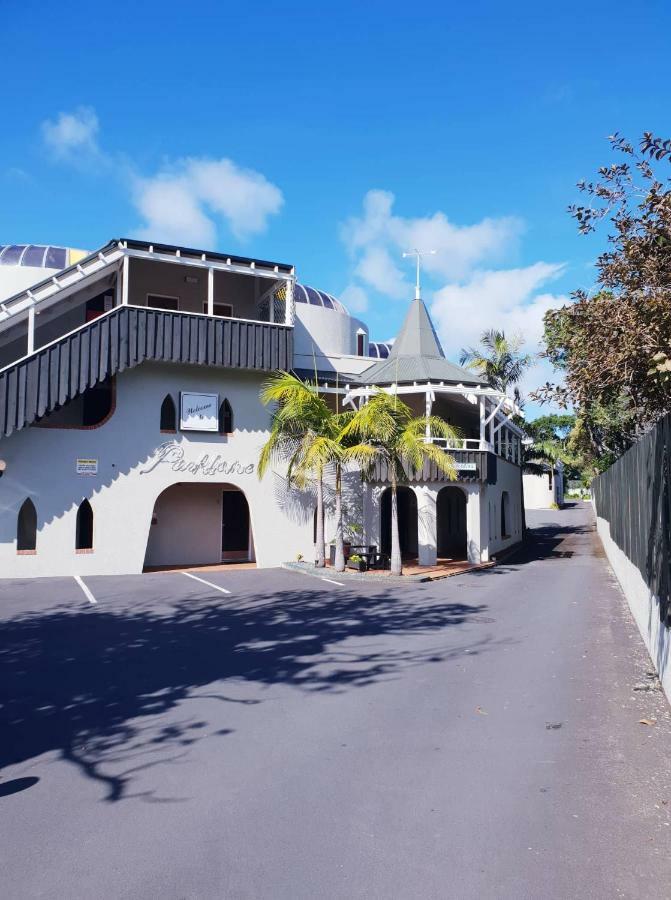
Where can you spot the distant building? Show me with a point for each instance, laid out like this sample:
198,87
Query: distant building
543,490
130,421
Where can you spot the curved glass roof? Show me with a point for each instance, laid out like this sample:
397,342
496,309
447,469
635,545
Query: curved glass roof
379,349
305,294
37,256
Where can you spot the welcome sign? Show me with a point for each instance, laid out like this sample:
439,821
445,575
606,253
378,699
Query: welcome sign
199,412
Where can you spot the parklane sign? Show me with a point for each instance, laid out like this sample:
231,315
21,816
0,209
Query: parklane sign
172,454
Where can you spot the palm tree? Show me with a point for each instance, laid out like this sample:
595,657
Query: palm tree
392,438
498,359
297,438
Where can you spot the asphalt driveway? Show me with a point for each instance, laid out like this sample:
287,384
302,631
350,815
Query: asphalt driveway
269,735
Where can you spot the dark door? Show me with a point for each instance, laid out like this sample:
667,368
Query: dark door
234,523
451,516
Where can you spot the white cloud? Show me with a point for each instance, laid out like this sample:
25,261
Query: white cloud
354,298
187,200
505,299
377,269
184,203
458,248
74,135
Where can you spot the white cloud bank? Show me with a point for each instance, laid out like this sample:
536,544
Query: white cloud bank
73,135
187,200
467,288
183,203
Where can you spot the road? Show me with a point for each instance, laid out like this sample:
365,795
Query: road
475,737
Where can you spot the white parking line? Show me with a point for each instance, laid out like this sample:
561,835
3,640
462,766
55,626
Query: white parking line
208,583
339,583
87,593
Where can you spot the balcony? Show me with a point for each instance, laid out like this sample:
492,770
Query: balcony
123,338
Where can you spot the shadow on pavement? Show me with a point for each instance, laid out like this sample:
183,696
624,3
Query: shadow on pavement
94,684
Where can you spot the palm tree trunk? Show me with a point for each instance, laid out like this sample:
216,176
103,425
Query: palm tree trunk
396,563
319,547
339,542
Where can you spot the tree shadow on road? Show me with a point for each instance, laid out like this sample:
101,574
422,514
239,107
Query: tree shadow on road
94,684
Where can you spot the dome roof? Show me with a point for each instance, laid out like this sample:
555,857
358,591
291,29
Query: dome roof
305,294
39,256
379,349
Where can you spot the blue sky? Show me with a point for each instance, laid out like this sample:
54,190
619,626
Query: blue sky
331,136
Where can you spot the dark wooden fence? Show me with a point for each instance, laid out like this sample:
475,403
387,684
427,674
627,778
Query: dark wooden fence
634,497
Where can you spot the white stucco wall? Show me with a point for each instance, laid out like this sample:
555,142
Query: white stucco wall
643,603
538,494
41,464
322,335
508,480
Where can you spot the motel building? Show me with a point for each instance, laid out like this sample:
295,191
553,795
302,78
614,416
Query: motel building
130,421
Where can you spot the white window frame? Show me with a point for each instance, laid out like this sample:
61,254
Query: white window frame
161,297
218,304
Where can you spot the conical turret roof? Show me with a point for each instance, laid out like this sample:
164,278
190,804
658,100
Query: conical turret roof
416,355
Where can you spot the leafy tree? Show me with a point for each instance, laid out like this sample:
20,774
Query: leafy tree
392,441
498,359
299,428
613,348
551,438
311,439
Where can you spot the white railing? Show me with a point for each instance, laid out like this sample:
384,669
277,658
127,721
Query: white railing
462,444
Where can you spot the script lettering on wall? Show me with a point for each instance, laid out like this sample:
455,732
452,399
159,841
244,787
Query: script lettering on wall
172,454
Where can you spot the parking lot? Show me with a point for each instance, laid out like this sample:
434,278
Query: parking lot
263,734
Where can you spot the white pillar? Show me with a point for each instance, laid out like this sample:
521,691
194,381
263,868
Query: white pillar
31,330
289,304
427,534
124,280
427,408
483,416
477,524
210,292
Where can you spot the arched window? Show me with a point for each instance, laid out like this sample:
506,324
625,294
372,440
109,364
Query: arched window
84,532
225,417
168,414
505,515
26,527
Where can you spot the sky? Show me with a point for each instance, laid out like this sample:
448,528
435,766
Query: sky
334,136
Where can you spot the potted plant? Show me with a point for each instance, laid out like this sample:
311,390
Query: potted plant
356,562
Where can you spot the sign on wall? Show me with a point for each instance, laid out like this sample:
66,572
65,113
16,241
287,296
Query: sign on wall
199,412
86,467
172,454
466,466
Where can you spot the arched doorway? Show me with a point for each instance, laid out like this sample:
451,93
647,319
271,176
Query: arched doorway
451,524
199,524
407,522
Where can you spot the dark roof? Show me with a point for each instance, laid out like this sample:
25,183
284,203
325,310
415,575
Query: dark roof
185,252
416,355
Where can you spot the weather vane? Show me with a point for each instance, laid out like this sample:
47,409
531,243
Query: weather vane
418,254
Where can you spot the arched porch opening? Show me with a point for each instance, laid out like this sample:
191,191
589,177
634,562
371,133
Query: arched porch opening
451,530
199,524
407,522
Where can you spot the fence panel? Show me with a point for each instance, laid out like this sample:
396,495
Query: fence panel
633,496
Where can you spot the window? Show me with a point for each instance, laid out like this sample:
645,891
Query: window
225,418
168,414
505,516
26,527
84,528
360,343
158,301
223,310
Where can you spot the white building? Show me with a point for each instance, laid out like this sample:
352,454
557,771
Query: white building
543,490
130,422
